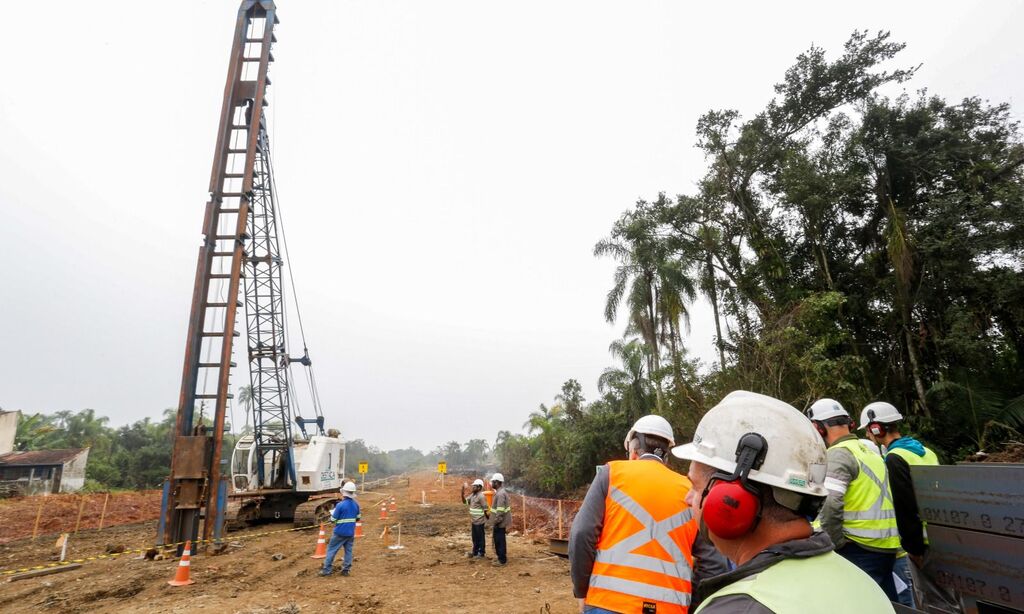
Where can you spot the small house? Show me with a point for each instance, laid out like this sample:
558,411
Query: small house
45,471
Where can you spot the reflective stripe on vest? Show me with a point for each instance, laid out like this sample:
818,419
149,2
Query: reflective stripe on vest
344,521
869,517
793,585
644,552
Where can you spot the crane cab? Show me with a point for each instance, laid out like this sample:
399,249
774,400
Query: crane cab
319,466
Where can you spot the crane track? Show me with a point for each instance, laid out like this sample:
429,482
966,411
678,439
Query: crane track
315,510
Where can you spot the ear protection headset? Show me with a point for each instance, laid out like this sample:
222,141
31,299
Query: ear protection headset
875,428
642,440
731,504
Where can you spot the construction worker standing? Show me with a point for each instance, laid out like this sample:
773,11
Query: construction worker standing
880,421
634,546
758,473
345,516
858,513
478,515
502,512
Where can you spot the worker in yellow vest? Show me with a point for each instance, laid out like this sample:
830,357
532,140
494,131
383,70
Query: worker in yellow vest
758,473
634,546
858,513
880,421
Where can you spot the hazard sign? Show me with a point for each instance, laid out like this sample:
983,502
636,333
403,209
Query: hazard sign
364,467
442,467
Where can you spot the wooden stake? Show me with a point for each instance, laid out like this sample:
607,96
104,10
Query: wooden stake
78,521
39,514
106,498
524,514
559,519
43,572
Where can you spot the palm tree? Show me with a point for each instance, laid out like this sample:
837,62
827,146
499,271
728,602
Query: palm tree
629,381
543,419
655,285
245,398
35,432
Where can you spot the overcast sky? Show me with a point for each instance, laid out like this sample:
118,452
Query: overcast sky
444,170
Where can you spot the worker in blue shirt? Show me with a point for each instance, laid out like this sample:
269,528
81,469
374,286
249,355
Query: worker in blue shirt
345,515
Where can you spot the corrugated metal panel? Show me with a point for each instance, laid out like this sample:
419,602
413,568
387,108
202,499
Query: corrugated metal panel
988,498
40,457
990,567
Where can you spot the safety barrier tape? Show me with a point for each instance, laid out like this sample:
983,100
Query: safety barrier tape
8,572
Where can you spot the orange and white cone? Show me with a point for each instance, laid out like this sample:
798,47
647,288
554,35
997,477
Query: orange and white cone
321,545
182,575
383,511
394,506
359,529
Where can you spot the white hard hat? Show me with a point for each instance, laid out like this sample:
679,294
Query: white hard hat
824,409
349,488
497,477
795,458
879,411
651,425
478,482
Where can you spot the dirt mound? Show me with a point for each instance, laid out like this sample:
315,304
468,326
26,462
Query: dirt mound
59,513
1012,452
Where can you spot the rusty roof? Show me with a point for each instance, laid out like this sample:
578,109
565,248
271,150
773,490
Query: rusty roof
40,457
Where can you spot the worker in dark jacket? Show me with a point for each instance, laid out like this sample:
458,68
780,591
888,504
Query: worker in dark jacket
501,512
637,506
758,472
345,516
880,421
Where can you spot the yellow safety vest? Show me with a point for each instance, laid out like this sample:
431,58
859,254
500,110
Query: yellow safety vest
929,458
869,517
827,583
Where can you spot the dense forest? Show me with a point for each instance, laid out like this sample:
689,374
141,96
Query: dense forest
138,455
850,245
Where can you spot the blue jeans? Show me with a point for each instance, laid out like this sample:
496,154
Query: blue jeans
591,609
902,569
878,565
337,541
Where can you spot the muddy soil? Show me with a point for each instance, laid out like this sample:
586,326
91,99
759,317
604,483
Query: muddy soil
274,573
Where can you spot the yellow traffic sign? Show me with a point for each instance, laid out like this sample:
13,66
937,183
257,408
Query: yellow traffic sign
442,467
364,467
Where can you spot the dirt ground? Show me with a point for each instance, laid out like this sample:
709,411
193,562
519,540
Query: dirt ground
430,574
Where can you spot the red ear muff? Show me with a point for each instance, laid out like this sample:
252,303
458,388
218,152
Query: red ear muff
730,504
818,426
876,429
730,510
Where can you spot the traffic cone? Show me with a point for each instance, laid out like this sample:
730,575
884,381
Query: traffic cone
359,529
393,507
181,576
321,545
383,511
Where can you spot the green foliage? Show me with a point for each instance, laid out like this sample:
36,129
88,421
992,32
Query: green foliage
850,246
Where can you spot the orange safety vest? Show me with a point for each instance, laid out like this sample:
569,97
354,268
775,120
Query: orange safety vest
644,556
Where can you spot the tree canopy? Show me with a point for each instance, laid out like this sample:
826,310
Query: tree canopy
850,245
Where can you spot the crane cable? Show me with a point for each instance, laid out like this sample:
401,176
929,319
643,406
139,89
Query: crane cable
311,378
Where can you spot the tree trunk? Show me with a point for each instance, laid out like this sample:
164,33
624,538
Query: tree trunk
712,292
915,368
